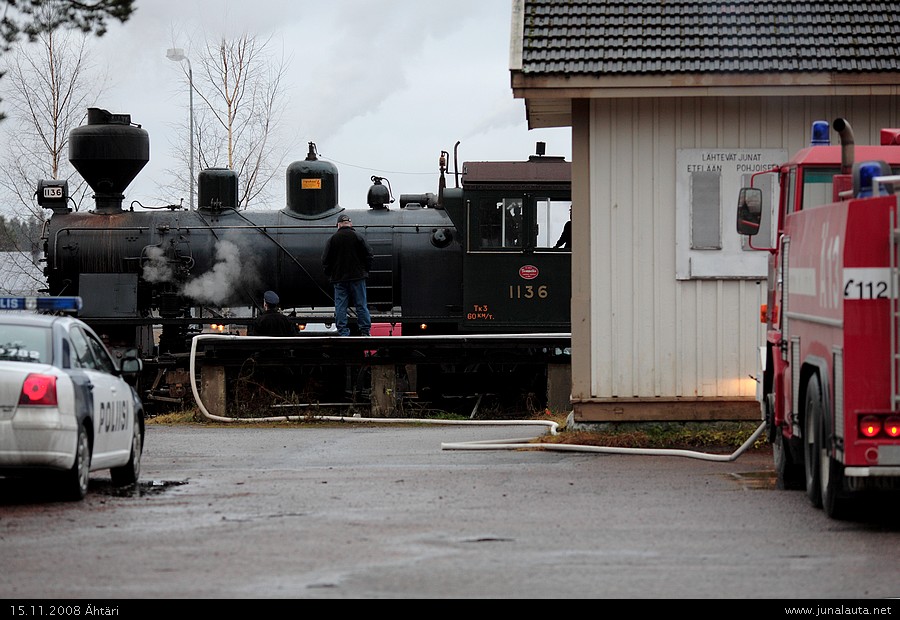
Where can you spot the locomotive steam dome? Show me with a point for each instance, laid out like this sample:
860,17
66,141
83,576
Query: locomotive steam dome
312,187
217,188
108,152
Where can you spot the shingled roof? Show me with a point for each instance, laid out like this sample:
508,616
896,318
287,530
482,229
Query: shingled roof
698,36
670,44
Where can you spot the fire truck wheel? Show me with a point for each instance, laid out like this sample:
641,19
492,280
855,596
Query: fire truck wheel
812,442
788,473
835,499
769,417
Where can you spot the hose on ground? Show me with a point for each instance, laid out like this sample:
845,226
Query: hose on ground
503,444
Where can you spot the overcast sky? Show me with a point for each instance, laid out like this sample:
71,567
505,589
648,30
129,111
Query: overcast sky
381,86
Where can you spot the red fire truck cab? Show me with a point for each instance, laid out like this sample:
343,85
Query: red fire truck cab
828,384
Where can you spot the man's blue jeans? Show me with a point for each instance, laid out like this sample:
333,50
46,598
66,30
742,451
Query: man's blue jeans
345,293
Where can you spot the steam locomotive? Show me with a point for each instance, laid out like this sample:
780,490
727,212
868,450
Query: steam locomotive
475,258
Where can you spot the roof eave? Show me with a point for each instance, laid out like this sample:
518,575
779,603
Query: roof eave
548,96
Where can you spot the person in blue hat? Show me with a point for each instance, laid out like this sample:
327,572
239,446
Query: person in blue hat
271,322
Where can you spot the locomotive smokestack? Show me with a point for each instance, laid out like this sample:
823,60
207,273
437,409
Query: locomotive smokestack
842,126
108,152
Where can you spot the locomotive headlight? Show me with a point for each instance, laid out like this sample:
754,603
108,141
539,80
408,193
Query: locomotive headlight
53,194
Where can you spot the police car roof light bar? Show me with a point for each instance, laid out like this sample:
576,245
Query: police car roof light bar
41,304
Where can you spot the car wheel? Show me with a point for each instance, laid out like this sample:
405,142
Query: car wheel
812,441
74,482
131,471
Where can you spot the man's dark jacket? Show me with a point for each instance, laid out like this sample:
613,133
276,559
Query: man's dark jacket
272,323
347,256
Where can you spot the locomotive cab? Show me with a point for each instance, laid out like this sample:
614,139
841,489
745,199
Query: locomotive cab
514,277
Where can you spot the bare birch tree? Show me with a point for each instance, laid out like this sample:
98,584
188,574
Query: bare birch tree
239,84
48,86
33,18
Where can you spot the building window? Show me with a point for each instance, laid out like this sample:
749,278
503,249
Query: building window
707,182
706,228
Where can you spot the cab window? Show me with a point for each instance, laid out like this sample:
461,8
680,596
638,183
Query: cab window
497,223
552,217
817,186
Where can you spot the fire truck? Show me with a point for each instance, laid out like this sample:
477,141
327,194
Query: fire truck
829,380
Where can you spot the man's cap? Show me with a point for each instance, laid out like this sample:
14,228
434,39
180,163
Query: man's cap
343,218
271,298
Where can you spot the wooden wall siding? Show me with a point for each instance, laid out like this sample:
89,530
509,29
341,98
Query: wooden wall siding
651,335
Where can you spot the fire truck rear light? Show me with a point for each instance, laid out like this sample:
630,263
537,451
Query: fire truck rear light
870,426
890,136
763,310
892,426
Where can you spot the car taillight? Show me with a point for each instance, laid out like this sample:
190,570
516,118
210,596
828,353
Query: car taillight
38,390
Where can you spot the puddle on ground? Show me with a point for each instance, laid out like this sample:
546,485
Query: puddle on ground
27,490
755,479
143,488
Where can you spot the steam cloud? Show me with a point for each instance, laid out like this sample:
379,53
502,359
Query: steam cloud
156,267
219,285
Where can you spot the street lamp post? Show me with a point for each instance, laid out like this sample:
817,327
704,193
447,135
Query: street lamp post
177,54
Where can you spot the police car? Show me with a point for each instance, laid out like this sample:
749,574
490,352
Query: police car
66,408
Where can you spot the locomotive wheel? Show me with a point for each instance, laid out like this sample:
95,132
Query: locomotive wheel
812,441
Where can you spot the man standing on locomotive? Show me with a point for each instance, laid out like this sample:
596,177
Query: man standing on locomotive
347,260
